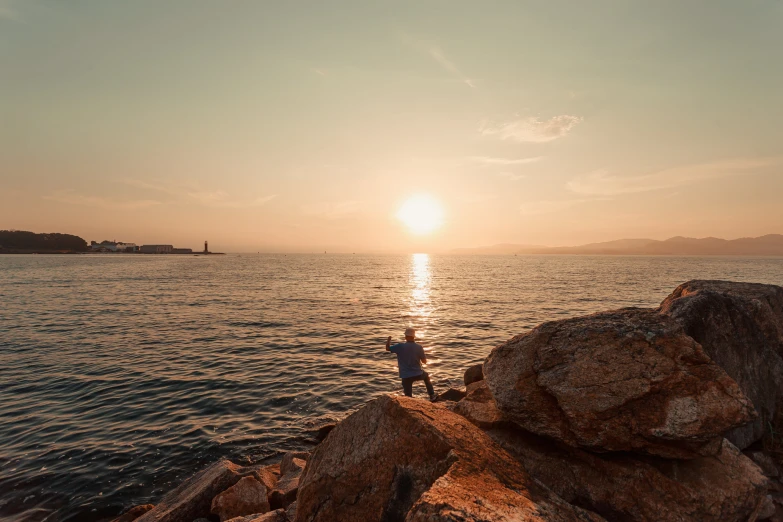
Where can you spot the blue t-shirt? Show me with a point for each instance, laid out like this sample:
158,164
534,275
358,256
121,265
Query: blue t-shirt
409,357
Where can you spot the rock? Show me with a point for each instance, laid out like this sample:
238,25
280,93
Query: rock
721,488
290,512
134,513
193,498
320,433
765,462
474,374
399,458
278,515
627,380
243,498
452,394
479,407
291,467
289,461
740,326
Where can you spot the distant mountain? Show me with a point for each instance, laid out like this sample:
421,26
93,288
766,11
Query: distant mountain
769,245
501,249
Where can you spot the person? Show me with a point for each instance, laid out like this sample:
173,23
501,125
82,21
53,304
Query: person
410,355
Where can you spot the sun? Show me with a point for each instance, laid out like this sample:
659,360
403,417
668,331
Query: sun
421,213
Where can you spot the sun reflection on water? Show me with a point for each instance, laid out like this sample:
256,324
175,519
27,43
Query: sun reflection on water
421,311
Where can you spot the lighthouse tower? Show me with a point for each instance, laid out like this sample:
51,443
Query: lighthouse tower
206,247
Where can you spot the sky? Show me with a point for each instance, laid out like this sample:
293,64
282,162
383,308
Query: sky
307,126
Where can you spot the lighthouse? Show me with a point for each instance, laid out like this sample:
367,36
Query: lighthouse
206,247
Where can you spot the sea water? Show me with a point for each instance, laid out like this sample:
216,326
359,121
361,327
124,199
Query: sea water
122,375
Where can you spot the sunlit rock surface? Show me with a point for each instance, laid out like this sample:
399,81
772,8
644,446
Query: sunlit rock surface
627,380
399,458
740,326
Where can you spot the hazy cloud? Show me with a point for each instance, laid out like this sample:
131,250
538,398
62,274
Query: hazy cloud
513,176
603,182
531,129
333,210
8,10
449,66
487,160
547,207
71,197
192,193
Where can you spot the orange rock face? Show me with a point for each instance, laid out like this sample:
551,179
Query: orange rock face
399,458
740,326
628,380
246,497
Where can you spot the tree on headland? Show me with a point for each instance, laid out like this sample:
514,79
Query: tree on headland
48,242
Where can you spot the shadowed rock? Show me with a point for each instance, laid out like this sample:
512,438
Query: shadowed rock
740,326
291,467
721,488
627,380
399,459
452,394
474,374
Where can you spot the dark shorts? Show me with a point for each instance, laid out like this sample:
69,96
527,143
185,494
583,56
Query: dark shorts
407,384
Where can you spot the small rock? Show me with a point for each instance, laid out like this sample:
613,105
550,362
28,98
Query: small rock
291,511
320,433
452,394
765,462
193,498
479,407
277,515
134,513
288,485
474,374
245,497
287,462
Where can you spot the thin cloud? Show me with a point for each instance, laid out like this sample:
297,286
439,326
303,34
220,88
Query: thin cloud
512,176
333,210
532,208
71,197
8,11
488,160
603,182
319,72
449,66
532,129
191,193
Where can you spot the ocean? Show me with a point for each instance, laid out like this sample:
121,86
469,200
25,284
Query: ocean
122,375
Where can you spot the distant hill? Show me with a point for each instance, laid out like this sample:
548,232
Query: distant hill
19,241
501,249
769,245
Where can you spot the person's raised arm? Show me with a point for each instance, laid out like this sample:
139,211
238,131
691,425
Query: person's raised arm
388,343
423,356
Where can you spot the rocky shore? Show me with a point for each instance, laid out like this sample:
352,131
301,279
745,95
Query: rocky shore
667,414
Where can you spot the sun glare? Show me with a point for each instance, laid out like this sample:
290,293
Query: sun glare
422,214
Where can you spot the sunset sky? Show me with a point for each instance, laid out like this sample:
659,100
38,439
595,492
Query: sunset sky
304,126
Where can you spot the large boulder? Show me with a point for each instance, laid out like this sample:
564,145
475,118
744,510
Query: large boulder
721,488
740,326
399,458
246,497
627,380
193,498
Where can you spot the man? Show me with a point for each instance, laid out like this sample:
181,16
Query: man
409,358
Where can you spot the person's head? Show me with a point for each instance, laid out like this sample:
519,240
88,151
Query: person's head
410,335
